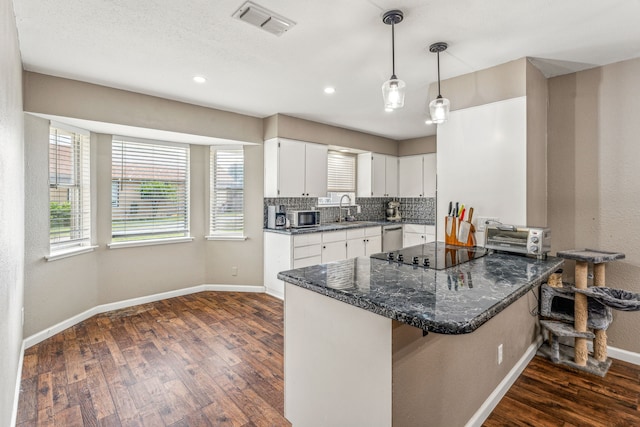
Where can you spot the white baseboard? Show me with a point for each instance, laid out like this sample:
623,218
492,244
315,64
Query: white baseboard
619,354
494,398
16,394
61,326
275,293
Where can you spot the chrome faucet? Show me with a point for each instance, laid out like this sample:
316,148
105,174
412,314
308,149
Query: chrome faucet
340,213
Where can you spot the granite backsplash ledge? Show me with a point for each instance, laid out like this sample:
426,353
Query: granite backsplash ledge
421,209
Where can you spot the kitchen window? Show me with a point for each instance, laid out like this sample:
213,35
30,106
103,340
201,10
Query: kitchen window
69,191
149,191
341,178
226,195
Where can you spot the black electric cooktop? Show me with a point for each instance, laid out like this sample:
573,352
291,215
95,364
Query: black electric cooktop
435,255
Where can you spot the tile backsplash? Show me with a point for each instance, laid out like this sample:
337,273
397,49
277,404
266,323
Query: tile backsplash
421,209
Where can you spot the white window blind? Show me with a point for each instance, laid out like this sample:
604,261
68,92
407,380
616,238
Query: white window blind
149,190
341,170
227,192
69,190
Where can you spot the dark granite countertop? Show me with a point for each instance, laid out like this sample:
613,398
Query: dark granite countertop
345,225
455,300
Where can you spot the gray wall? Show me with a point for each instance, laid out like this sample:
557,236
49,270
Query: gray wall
594,195
11,210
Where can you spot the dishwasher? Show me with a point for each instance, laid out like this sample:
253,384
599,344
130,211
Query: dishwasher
391,237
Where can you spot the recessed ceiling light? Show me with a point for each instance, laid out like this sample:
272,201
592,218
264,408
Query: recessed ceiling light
329,90
199,79
388,110
428,122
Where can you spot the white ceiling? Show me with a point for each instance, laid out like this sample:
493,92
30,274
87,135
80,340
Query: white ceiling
156,47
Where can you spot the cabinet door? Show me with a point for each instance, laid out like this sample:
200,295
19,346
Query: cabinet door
316,170
334,251
373,245
429,175
412,239
410,176
391,176
291,168
378,175
355,248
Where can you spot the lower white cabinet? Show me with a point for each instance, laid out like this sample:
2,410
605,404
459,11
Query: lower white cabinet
334,246
284,251
417,234
364,242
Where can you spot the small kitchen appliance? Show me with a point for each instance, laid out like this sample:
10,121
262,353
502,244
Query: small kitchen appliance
393,211
518,239
300,219
276,217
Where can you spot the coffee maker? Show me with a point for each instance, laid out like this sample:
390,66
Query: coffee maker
393,211
276,216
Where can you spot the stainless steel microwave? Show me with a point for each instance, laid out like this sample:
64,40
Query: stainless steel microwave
299,219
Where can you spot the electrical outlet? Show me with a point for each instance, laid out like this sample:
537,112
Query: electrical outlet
482,221
234,271
500,354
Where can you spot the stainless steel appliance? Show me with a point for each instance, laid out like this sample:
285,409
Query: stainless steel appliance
393,211
276,217
518,239
300,219
391,237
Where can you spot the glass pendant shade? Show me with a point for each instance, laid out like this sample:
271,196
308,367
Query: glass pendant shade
439,109
393,93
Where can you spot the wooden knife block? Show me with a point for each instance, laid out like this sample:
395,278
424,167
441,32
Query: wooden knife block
452,238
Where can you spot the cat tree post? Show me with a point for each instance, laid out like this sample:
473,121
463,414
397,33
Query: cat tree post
600,341
581,313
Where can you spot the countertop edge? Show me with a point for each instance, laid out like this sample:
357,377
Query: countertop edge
426,325
342,226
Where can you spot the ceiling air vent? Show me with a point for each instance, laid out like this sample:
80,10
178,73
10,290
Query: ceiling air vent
260,17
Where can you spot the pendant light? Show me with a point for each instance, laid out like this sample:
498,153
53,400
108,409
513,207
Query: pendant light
393,89
439,107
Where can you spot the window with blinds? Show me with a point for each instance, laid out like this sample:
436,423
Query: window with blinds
149,190
69,190
341,168
226,192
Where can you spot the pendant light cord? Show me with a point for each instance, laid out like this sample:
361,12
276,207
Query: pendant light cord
393,50
439,95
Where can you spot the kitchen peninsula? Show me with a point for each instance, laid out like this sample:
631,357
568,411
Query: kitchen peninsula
355,350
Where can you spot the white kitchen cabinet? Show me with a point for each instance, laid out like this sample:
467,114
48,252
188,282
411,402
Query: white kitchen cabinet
334,246
284,251
294,168
377,175
417,176
417,234
364,241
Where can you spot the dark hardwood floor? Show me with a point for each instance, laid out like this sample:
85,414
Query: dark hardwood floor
216,359
207,359
552,395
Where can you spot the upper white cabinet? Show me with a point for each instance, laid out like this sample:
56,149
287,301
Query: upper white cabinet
294,168
377,175
417,176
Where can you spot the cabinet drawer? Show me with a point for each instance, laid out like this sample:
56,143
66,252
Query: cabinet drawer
307,239
373,231
414,228
356,233
307,251
334,236
306,262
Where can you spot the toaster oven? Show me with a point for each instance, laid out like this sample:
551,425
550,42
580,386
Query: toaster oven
518,239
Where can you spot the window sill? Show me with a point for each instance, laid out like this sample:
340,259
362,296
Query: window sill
226,237
70,252
137,243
